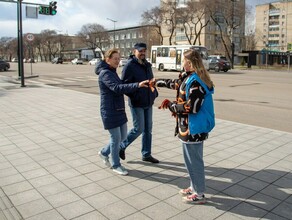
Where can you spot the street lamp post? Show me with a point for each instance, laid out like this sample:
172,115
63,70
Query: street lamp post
114,21
232,35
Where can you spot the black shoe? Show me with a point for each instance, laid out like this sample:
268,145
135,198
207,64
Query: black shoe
150,159
122,154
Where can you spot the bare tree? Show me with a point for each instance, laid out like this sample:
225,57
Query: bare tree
194,19
228,19
168,10
94,36
154,17
8,47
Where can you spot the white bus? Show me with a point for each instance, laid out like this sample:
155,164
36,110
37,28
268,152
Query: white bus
171,57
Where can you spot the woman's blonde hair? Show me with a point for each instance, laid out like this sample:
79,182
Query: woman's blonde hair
109,54
197,65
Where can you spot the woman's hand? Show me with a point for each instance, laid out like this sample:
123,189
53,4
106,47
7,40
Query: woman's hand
165,104
144,83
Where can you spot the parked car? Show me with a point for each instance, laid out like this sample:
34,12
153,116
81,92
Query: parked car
94,61
218,64
123,62
77,61
14,60
57,60
4,65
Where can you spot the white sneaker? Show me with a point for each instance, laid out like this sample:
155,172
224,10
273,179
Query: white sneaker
104,159
121,170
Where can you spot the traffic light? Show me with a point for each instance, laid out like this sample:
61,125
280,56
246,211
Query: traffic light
50,9
53,7
44,10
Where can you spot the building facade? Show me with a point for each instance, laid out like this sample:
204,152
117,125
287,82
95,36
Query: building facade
229,15
274,26
124,39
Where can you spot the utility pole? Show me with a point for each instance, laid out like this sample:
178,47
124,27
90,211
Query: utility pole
232,35
114,21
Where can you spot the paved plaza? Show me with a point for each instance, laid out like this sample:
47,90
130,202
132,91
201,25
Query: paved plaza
50,170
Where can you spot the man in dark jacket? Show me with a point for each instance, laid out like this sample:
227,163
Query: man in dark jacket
141,101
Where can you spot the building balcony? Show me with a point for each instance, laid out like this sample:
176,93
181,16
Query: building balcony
273,12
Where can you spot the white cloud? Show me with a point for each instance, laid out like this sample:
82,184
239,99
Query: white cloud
73,14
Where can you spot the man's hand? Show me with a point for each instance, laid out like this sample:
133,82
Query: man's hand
165,103
152,84
144,83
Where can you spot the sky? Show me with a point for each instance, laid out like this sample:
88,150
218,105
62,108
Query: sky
73,14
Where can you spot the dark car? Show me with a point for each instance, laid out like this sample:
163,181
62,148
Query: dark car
57,60
218,64
4,65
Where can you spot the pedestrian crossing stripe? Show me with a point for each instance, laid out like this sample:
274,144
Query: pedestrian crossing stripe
64,80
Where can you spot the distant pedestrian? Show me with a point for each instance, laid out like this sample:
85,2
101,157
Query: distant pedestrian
195,118
141,101
112,107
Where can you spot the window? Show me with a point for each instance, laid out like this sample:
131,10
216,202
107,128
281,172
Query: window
128,35
134,35
162,52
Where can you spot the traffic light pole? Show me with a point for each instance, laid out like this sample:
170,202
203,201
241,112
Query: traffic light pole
20,43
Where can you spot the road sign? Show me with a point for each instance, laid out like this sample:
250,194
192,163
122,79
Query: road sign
29,37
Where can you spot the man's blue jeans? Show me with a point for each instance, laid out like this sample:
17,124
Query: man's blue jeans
193,156
116,136
142,124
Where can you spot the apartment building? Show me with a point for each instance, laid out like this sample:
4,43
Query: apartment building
274,26
124,39
229,14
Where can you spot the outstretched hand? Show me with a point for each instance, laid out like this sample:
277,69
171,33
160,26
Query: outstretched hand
152,83
144,83
165,103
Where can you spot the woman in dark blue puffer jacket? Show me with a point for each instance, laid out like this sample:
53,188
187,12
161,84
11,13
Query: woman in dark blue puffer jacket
112,107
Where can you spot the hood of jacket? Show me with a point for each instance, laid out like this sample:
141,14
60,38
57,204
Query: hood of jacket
102,65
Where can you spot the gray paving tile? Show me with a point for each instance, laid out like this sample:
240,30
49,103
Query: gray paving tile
33,208
137,215
88,190
102,200
121,210
74,209
35,173
43,180
77,181
49,215
17,188
62,198
248,211
52,189
95,215
66,174
27,167
161,210
253,184
4,181
283,210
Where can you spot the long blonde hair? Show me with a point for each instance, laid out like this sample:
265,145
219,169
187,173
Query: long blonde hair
197,65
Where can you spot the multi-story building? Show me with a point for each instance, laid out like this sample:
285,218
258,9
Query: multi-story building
274,26
124,39
229,15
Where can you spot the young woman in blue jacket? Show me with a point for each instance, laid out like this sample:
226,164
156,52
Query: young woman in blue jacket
112,107
195,118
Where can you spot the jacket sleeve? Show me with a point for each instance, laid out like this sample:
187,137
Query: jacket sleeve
117,86
127,74
194,102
